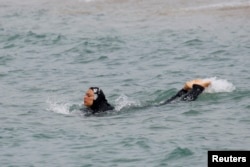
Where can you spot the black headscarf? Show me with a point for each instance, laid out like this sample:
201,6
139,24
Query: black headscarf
100,102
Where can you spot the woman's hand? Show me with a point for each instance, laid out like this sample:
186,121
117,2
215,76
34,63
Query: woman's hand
189,84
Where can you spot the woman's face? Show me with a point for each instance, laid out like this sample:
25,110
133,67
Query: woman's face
89,98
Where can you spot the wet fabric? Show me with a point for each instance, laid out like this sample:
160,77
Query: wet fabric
184,95
100,103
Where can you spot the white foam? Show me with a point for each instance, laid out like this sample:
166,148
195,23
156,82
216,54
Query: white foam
220,6
58,107
219,85
86,0
124,102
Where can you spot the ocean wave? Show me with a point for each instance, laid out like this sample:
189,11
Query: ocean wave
85,0
178,153
220,6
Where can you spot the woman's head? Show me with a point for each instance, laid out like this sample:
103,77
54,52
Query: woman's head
93,97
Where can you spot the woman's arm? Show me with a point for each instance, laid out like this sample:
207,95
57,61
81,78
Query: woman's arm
191,90
193,93
178,95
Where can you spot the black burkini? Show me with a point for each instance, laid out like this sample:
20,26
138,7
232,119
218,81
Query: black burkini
101,104
184,95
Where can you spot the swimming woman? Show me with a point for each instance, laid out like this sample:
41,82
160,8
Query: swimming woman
190,91
96,102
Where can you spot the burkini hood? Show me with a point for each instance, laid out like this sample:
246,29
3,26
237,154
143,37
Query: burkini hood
100,103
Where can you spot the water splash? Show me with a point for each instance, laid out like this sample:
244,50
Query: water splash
58,107
219,85
66,108
124,102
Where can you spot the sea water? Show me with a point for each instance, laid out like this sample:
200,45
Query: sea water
139,53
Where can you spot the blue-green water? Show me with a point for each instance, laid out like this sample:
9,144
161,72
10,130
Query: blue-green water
140,53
